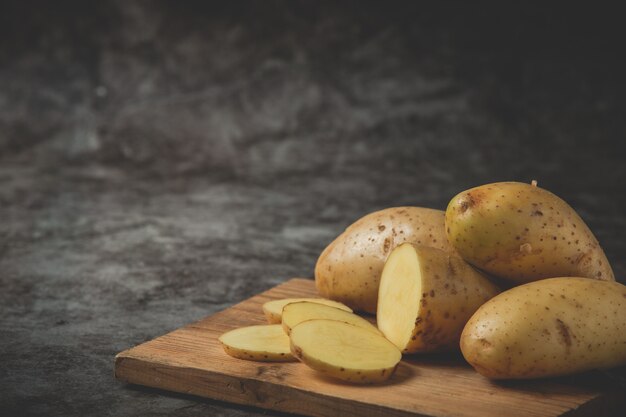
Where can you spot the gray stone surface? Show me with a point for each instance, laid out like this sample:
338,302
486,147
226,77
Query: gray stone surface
160,161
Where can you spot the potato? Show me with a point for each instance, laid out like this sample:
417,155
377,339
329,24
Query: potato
344,351
296,313
426,296
266,343
523,233
349,269
552,327
273,310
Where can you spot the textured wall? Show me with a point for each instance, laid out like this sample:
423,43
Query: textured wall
160,161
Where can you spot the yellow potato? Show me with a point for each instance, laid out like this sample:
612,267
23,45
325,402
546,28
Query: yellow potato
523,233
349,269
344,351
265,343
426,296
552,327
296,313
273,310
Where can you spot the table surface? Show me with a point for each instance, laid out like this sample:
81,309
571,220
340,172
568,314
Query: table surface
160,162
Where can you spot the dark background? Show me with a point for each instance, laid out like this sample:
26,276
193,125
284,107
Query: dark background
160,161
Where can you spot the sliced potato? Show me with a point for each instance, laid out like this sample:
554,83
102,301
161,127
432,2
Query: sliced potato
266,343
426,296
349,269
296,313
274,309
344,351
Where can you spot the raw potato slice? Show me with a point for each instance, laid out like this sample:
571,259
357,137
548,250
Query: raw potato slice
426,296
296,313
266,343
274,309
344,351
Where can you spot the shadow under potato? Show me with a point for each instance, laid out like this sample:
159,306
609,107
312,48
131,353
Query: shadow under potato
440,359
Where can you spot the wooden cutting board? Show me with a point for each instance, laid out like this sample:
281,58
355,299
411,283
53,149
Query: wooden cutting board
190,360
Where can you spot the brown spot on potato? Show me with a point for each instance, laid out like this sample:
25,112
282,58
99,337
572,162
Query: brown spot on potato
298,352
536,213
386,246
381,227
467,203
564,333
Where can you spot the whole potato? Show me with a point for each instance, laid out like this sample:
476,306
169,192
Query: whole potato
349,269
523,233
552,327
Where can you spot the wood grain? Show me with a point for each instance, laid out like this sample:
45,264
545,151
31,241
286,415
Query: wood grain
190,360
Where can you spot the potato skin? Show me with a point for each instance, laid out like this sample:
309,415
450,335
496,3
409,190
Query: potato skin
356,377
451,292
523,233
547,328
349,269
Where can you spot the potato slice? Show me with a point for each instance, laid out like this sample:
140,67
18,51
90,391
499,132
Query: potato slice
274,309
344,351
426,296
296,313
266,343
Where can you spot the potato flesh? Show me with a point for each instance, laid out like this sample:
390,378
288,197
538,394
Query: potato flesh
274,309
296,313
399,295
344,351
266,343
547,328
